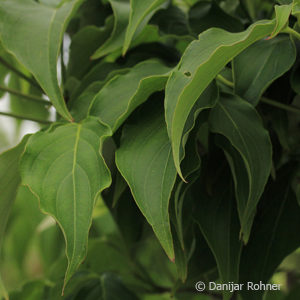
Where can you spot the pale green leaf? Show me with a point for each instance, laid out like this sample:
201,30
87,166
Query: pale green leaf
123,93
42,28
64,169
270,59
140,14
282,17
249,153
200,64
145,161
296,8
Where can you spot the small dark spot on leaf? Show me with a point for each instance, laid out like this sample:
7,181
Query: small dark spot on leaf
187,74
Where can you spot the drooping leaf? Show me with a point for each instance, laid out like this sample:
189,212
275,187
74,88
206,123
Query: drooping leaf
270,59
42,28
65,170
249,153
274,233
145,161
123,93
219,224
10,180
140,14
282,16
200,63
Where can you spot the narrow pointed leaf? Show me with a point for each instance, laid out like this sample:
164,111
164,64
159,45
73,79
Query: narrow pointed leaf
65,170
145,161
140,14
250,155
123,93
42,27
200,64
270,59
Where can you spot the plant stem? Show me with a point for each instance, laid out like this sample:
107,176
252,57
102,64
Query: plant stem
265,100
25,96
24,118
225,81
292,32
277,104
20,74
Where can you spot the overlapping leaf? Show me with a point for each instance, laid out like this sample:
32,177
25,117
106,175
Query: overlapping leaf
42,28
65,170
122,94
201,62
145,161
249,153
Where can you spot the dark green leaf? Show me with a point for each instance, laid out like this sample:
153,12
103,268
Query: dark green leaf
144,159
270,59
249,155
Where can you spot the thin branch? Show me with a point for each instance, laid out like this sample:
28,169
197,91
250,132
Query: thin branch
265,100
24,118
20,74
292,32
25,96
225,81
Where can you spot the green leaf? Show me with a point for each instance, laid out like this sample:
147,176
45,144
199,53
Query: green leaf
282,17
270,59
140,14
144,160
249,153
10,180
65,170
121,10
275,233
42,28
84,43
207,14
296,9
124,93
200,64
219,224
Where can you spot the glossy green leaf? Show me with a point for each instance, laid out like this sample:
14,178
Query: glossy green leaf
123,93
199,65
140,14
64,169
10,180
42,28
282,16
145,161
275,233
219,224
249,155
270,59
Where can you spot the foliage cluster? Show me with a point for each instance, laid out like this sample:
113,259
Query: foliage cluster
173,156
